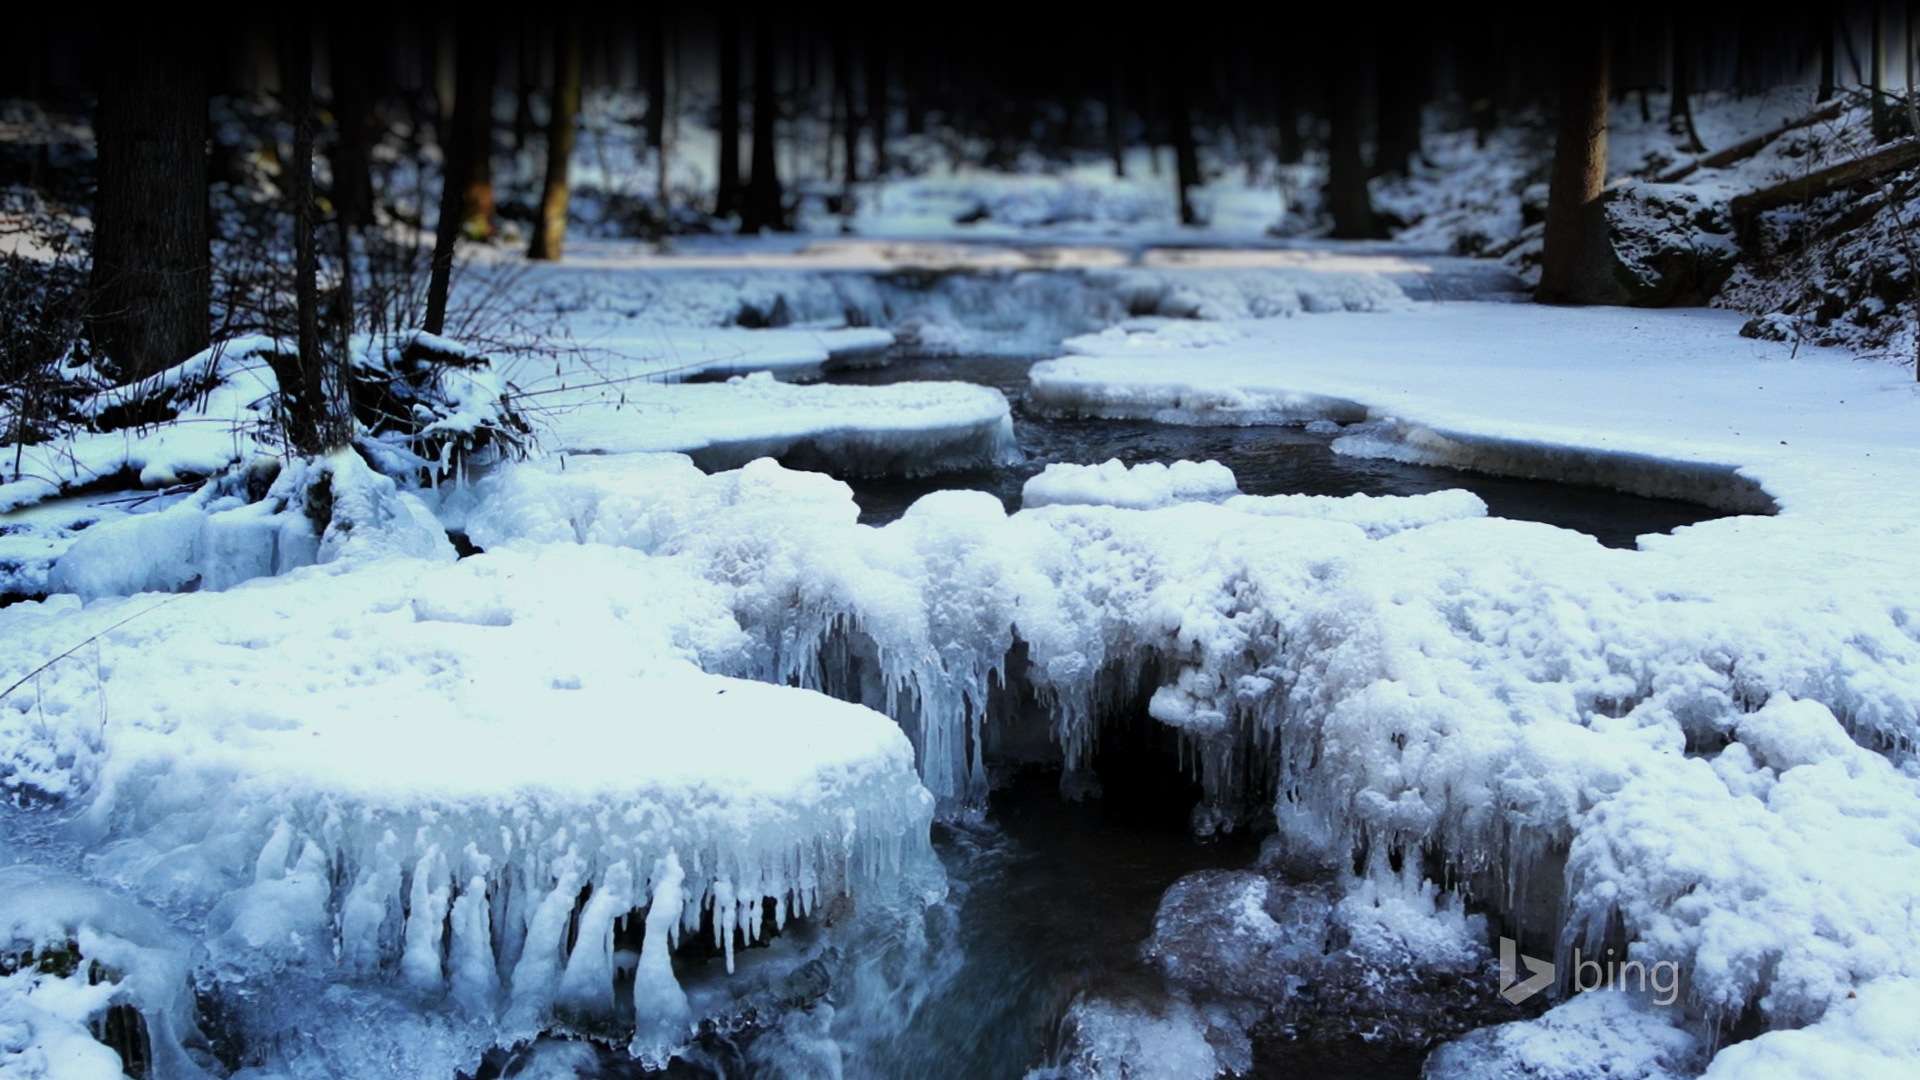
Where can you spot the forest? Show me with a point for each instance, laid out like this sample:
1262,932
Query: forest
634,541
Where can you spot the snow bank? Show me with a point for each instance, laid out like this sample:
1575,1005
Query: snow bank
387,771
314,512
902,429
1601,1035
213,410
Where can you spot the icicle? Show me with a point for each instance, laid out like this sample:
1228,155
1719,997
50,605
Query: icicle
271,864
662,1016
587,983
538,972
723,919
476,982
422,965
368,906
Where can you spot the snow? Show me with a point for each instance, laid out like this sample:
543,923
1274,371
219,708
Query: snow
410,769
1601,1034
370,783
903,429
1140,487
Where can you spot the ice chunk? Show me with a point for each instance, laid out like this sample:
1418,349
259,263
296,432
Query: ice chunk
1139,487
1600,1035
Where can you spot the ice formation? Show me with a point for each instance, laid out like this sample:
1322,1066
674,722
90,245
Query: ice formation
1703,757
1139,487
454,781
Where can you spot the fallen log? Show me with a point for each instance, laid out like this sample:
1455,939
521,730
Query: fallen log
1746,148
1882,162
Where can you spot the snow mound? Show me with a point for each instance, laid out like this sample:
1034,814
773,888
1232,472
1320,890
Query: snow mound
902,429
415,781
1140,487
1599,1035
323,511
1376,515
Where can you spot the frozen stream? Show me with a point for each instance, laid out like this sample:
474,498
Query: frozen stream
1266,461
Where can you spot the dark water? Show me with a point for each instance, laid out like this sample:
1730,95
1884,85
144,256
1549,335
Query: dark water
1265,460
1052,899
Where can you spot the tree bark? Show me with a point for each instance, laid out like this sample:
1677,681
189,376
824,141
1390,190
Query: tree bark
353,113
1186,159
1680,93
151,284
302,377
877,100
550,230
763,208
1400,85
1347,197
1578,262
473,92
727,193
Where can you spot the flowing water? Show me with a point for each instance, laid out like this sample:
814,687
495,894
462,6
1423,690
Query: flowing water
1052,899
1266,461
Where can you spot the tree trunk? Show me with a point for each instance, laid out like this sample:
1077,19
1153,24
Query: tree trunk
1186,160
656,120
353,112
763,208
1578,263
473,91
1400,85
1347,197
849,117
551,229
1680,93
151,283
1117,109
877,100
302,377
727,194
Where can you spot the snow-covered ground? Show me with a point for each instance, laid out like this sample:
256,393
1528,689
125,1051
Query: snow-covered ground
283,751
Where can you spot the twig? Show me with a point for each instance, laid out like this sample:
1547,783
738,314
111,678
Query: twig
24,679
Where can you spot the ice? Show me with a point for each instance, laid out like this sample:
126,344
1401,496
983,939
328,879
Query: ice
144,963
215,540
1700,742
905,429
1139,487
660,1008
1108,1040
1871,1034
1601,1035
409,782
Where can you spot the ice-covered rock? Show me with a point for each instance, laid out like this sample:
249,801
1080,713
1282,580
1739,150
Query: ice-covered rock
1600,1035
1384,958
316,511
460,782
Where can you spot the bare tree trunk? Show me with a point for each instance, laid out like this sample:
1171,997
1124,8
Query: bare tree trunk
353,112
1347,197
726,199
763,208
1578,263
1117,107
1186,160
849,116
656,120
151,283
473,90
550,231
302,377
877,99
1400,85
1680,93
